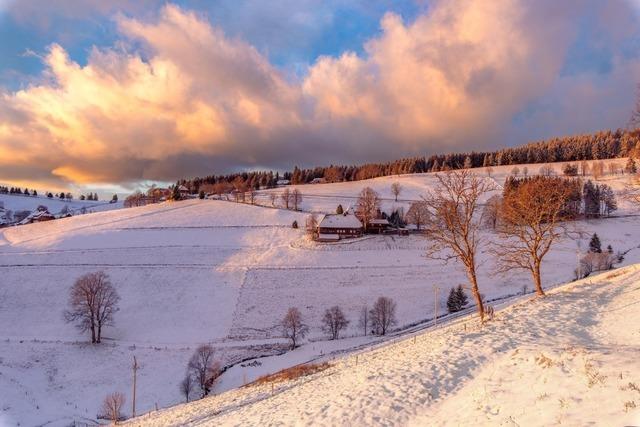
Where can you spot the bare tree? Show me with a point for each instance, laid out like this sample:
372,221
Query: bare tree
491,211
186,386
515,171
530,223
286,198
273,196
112,406
296,198
312,225
334,321
293,327
92,302
252,195
363,321
368,205
489,171
396,189
546,170
417,214
383,315
205,368
453,228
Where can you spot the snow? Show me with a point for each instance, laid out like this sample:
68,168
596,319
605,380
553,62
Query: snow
340,221
570,358
209,271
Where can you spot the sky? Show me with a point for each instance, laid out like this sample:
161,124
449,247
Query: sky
97,94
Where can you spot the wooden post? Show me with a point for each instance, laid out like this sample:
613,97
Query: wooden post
135,372
435,303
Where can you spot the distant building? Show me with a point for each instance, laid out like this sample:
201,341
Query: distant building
184,191
282,182
38,216
318,181
339,226
378,225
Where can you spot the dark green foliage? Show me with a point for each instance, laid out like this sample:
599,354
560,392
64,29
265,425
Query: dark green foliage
457,299
594,244
295,224
339,210
201,195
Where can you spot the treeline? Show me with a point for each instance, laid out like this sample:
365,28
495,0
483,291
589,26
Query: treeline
596,146
582,198
16,190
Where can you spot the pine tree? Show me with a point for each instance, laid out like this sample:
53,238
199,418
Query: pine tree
452,301
339,210
201,195
631,167
594,244
462,297
609,249
175,192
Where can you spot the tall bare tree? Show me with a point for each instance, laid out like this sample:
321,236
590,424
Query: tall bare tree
311,225
205,368
491,211
453,227
396,189
112,407
530,223
296,198
363,321
367,206
334,321
273,196
286,198
417,214
92,302
293,327
383,315
186,386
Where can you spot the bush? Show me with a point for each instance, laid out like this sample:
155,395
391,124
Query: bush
295,224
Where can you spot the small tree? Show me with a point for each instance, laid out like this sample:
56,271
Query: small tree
204,368
201,195
93,300
296,198
112,407
273,197
293,327
286,198
186,386
595,245
339,210
396,189
383,315
363,321
312,225
457,299
368,205
334,321
418,214
631,167
570,170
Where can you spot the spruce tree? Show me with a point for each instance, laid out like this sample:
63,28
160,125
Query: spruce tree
594,244
462,297
452,301
339,210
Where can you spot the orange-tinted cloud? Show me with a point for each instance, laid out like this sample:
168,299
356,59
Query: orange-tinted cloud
176,97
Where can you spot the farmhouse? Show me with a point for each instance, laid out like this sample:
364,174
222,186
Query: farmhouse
38,216
184,191
339,226
378,226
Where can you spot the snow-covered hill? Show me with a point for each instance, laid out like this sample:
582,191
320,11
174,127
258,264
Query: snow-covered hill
208,271
570,358
17,203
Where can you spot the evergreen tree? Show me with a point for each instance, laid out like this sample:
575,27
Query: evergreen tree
201,195
114,199
452,301
339,210
631,167
609,249
594,244
462,297
175,192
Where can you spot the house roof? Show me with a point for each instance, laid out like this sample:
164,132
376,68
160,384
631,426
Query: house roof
340,221
183,188
36,216
380,221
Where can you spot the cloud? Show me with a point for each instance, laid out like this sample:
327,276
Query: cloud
176,96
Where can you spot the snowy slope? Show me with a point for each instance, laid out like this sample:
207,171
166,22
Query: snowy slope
570,358
217,272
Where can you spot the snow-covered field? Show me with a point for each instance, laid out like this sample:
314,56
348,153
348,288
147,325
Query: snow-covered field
219,272
570,358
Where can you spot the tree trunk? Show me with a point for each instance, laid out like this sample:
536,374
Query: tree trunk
536,278
99,333
476,294
93,332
